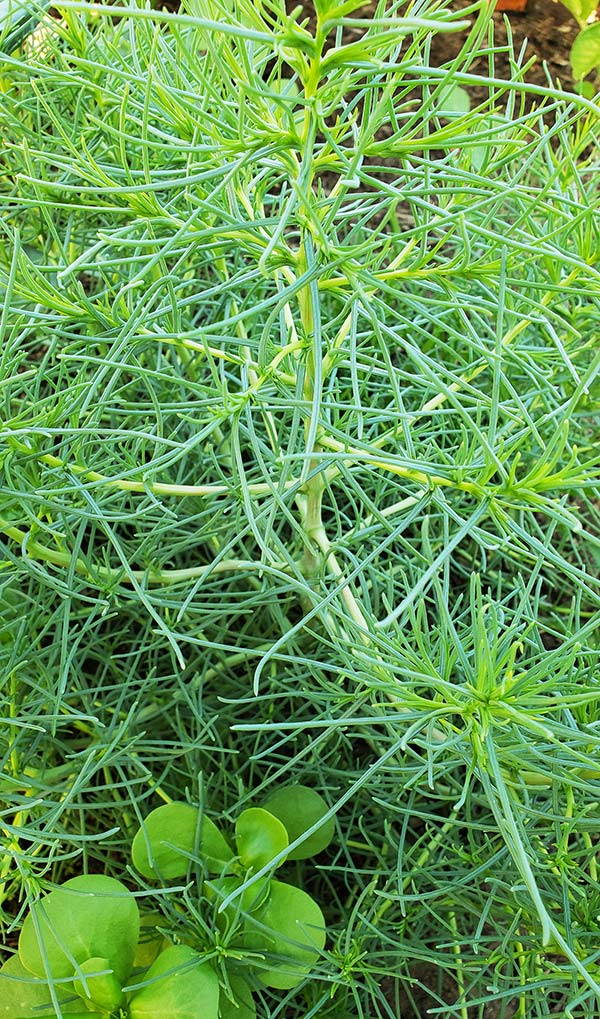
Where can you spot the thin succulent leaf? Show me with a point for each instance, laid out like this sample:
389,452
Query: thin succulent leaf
18,20
299,394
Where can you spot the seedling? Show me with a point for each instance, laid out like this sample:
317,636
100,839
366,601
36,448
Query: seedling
81,953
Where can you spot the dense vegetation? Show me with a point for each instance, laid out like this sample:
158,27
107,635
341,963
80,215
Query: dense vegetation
299,438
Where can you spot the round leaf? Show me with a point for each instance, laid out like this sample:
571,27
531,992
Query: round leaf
248,902
580,9
260,836
169,837
298,807
585,51
180,985
453,99
294,932
101,987
242,1006
24,996
89,916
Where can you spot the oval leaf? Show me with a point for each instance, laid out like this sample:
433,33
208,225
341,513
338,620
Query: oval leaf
251,899
294,932
101,986
453,100
169,837
298,807
260,836
24,996
88,916
580,9
181,985
585,51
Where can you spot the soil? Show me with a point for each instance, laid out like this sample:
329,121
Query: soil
546,30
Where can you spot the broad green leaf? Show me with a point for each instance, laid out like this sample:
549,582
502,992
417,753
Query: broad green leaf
585,89
585,51
89,916
580,9
251,899
242,1006
180,985
453,100
23,996
260,836
101,987
298,807
170,836
295,933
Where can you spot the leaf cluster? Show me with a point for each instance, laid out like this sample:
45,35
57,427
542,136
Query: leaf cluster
80,944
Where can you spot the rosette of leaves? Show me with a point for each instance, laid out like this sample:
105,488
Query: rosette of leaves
77,953
85,951
280,925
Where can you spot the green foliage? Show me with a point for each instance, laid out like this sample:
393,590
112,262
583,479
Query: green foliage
99,985
88,916
300,808
179,984
24,996
299,485
164,844
18,20
585,51
260,836
290,924
280,928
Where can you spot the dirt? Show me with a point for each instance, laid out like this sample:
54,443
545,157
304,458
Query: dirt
546,30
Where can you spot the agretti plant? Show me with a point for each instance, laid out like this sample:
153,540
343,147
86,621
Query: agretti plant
85,950
299,477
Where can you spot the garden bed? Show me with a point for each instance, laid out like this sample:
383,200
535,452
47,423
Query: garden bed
299,519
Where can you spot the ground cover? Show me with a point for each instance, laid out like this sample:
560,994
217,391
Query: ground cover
300,486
